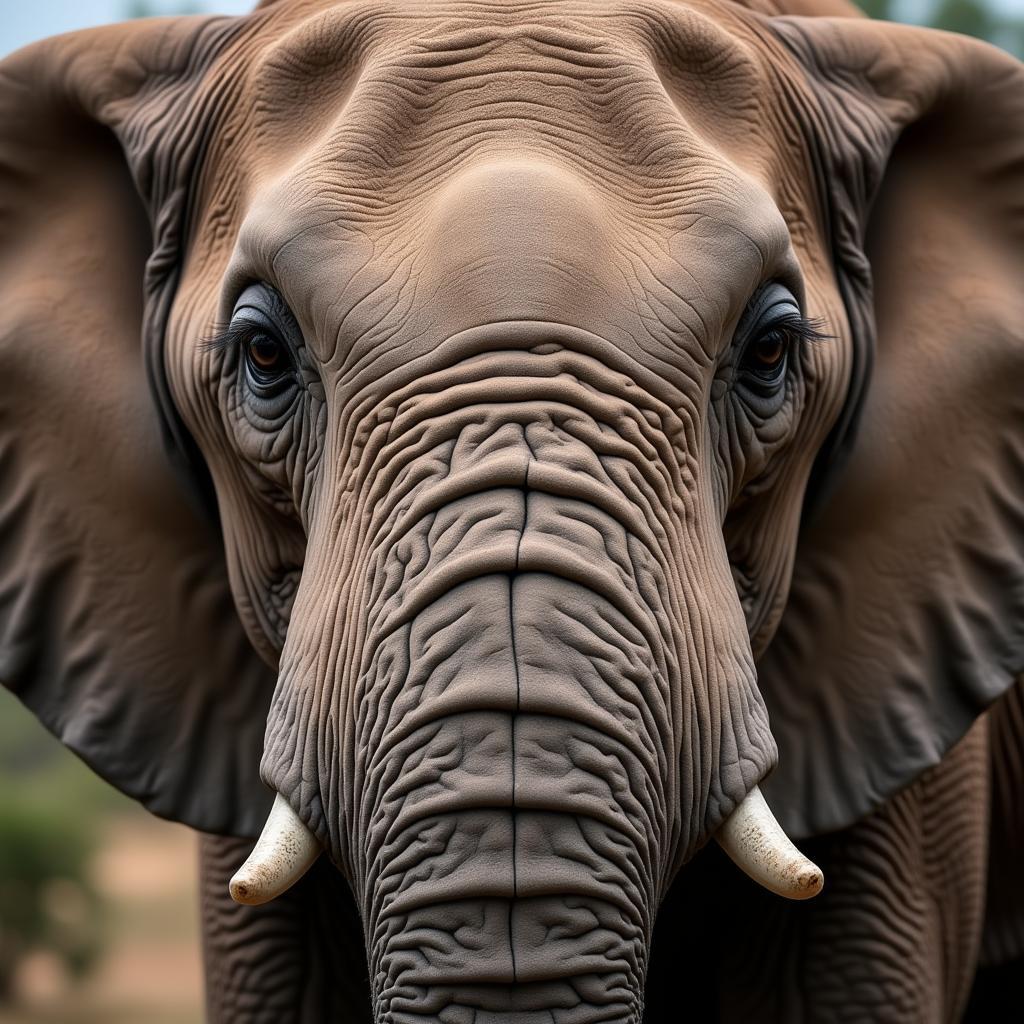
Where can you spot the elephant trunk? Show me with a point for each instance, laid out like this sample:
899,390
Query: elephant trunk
517,692
518,814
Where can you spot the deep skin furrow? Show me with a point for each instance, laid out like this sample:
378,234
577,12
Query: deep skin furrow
515,713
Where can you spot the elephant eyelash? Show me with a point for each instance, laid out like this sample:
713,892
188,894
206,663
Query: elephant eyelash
803,330
230,336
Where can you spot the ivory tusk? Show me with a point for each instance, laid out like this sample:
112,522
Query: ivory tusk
284,852
755,842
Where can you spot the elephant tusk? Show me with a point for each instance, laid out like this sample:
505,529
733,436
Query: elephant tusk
284,852
756,843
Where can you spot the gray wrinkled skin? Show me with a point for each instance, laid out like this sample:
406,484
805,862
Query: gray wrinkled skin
547,577
516,689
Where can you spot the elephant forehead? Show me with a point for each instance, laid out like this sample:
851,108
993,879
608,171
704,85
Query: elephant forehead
394,91
509,162
376,155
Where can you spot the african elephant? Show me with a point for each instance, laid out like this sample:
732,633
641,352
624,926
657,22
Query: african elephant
532,440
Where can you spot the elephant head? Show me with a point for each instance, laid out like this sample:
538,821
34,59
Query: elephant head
504,433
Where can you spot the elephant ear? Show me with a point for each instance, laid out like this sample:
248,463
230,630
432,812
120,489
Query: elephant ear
116,625
906,613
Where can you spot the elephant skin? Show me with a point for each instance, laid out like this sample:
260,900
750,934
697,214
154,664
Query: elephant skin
511,438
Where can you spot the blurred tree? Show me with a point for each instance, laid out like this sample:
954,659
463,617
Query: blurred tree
979,18
966,16
877,9
148,9
47,903
51,806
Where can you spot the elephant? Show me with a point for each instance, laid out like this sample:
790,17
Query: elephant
497,449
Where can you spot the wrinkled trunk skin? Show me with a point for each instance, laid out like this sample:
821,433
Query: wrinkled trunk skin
516,693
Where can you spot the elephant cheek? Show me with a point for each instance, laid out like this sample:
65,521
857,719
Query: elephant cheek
511,717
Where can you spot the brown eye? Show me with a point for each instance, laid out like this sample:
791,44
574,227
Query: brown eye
265,353
267,358
266,343
769,351
769,339
765,357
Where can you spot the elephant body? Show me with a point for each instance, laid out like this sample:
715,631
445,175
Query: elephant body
522,452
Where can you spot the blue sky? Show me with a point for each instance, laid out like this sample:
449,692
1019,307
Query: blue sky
22,21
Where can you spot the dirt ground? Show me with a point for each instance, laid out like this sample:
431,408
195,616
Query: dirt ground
150,971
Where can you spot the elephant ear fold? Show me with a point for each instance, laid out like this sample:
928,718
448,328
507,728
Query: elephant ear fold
906,613
116,625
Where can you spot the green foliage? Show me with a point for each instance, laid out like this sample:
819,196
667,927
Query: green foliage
50,807
977,18
877,9
46,900
967,16
55,816
148,9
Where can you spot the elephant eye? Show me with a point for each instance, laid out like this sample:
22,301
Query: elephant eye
766,355
264,349
771,329
266,358
258,329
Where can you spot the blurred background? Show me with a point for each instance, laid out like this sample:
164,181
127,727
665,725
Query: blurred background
86,937
98,910
999,21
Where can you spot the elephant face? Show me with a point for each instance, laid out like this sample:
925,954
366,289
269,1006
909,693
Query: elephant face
505,344
477,434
